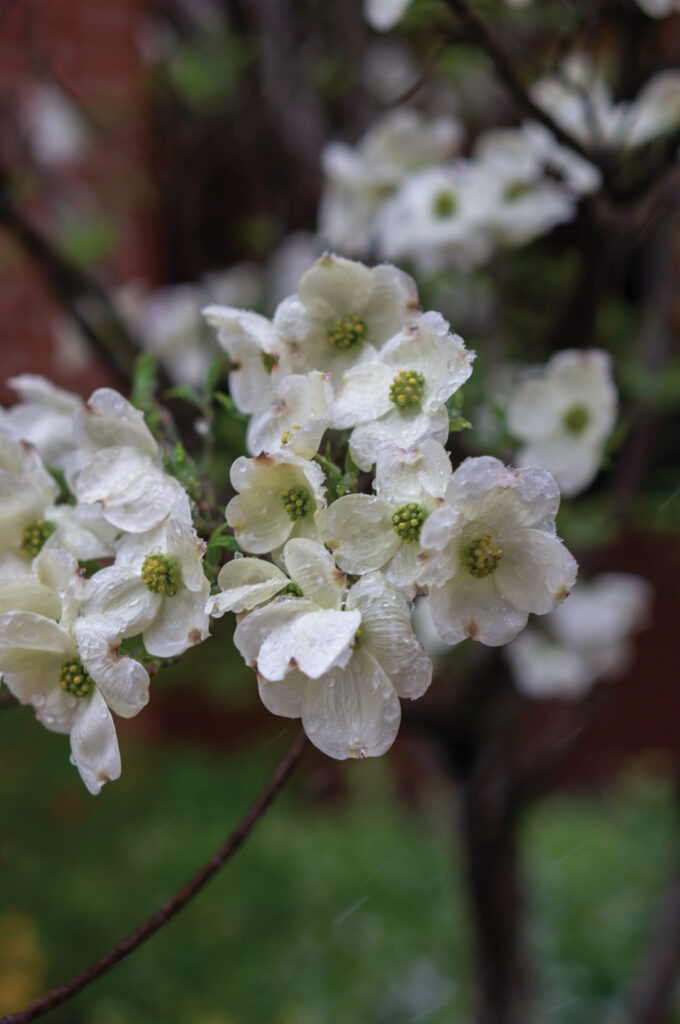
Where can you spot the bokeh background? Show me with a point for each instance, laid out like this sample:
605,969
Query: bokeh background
154,142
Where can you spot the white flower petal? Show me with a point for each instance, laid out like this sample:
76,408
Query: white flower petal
363,396
314,643
108,420
244,583
469,607
94,745
536,571
182,622
353,711
315,572
123,682
284,697
119,593
358,530
387,634
32,632
399,428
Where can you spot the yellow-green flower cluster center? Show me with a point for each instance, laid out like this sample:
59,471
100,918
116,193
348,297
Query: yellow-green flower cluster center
160,575
407,389
290,588
298,503
268,361
347,332
74,679
481,556
515,190
408,520
576,419
445,204
35,535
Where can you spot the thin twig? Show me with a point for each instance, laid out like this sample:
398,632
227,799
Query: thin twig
71,988
479,33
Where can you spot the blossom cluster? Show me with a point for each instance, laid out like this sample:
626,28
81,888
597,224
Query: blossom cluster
117,511
346,508
406,192
325,617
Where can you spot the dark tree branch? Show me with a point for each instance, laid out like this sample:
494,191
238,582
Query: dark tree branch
71,988
617,188
480,34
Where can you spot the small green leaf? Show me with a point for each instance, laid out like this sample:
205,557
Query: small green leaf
187,394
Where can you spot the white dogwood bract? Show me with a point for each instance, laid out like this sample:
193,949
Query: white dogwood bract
490,555
563,414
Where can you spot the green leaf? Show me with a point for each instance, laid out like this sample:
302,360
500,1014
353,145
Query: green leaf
214,373
458,423
227,403
144,381
336,482
187,394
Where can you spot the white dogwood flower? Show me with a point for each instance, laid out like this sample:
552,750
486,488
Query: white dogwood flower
340,661
279,496
398,397
254,349
586,638
295,418
581,102
119,466
72,673
436,218
43,416
157,587
342,313
563,413
521,202
367,532
490,554
358,179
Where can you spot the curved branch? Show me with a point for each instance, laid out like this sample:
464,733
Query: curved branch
480,34
71,988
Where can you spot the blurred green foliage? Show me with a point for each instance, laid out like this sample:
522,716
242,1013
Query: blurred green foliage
346,911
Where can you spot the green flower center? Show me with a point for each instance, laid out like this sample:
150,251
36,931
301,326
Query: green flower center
268,361
160,575
74,679
481,556
35,535
445,204
347,332
576,419
408,520
290,588
407,389
515,190
298,503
